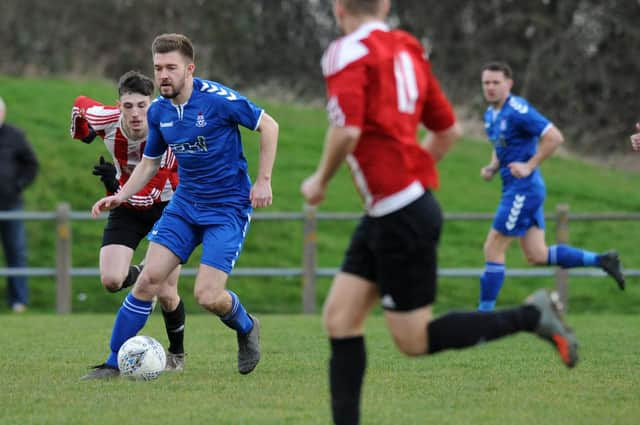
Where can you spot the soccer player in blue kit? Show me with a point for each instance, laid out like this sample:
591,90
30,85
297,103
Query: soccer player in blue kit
522,138
213,203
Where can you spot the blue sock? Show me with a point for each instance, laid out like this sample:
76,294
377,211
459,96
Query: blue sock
568,256
237,318
490,284
131,317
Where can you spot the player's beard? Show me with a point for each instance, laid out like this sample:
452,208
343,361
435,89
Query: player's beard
172,94
175,90
494,101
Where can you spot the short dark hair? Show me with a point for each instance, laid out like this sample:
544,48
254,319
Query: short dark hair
135,82
499,66
362,7
166,43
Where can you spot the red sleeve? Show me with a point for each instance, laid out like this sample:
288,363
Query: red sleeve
346,94
79,124
87,112
437,114
151,192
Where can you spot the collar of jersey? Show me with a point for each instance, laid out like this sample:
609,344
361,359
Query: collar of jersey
497,111
367,28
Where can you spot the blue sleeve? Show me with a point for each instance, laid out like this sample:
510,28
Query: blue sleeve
242,111
486,119
155,145
532,122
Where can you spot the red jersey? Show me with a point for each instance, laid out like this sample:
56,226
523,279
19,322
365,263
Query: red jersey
381,82
126,152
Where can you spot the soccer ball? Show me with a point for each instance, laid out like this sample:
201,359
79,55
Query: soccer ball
141,358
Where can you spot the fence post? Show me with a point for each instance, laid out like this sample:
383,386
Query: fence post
63,258
562,237
309,260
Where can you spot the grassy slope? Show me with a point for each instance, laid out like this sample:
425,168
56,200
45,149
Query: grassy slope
42,107
518,380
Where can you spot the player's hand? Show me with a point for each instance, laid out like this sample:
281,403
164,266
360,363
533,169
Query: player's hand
520,170
313,190
107,173
635,139
261,195
488,172
105,204
92,135
80,121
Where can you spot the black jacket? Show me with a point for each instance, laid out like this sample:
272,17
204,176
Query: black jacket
18,166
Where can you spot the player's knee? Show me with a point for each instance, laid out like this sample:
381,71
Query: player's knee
335,323
214,302
486,248
342,325
411,351
168,298
331,325
531,260
491,251
149,278
536,258
111,283
202,297
411,347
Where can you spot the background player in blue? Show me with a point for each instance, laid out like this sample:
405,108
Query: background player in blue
522,138
213,203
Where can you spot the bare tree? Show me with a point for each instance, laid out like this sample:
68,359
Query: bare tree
575,59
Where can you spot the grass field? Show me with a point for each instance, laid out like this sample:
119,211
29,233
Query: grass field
42,108
518,380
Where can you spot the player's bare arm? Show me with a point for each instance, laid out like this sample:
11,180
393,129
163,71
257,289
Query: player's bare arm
438,143
487,172
261,195
546,147
340,142
143,172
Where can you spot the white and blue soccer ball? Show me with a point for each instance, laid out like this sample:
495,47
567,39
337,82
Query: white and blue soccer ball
141,358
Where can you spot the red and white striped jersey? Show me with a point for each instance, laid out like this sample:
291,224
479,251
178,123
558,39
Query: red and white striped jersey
106,121
381,82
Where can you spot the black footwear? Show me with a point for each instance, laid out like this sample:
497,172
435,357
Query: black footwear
102,371
610,263
249,348
551,327
175,362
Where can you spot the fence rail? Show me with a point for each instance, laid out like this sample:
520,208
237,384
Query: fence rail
63,270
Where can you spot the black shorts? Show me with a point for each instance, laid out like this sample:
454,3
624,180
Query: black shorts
398,253
128,226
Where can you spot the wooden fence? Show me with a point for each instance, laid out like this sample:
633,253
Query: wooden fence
64,271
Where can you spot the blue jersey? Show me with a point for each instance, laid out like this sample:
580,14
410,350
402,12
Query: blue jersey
204,136
514,132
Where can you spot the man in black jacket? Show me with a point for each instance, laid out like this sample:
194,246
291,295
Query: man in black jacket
18,170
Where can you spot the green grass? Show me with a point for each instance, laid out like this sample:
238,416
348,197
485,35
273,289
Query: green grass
517,380
42,108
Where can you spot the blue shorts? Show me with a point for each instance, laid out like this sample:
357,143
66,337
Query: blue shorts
519,211
220,229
